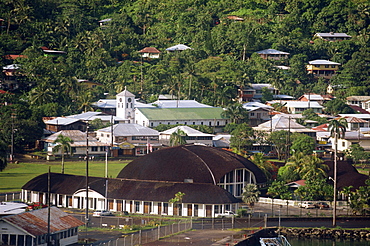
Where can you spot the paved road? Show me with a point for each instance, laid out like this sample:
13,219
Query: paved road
204,235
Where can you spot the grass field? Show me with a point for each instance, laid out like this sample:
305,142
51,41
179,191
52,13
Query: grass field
16,175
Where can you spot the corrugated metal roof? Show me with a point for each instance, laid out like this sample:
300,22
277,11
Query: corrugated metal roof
62,121
180,104
331,34
302,104
86,115
257,105
105,103
178,47
282,123
358,98
130,130
182,113
188,130
78,137
35,222
322,62
272,52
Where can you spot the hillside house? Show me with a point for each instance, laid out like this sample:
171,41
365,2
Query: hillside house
149,52
322,68
311,97
331,36
254,92
272,54
360,101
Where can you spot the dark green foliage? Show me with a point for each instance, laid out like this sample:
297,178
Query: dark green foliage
222,56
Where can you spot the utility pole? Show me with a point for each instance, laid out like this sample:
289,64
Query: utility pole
87,176
13,116
111,136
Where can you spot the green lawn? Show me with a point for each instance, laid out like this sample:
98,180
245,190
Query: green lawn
16,175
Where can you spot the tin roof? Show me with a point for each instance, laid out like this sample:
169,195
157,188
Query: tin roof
332,34
178,47
78,137
182,113
272,52
35,223
130,130
179,104
323,62
188,130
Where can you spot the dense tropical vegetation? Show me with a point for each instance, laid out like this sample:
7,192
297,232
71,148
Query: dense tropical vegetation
222,59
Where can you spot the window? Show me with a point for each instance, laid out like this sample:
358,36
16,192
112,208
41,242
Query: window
252,114
235,180
343,144
326,66
94,149
137,207
333,66
73,149
102,148
317,65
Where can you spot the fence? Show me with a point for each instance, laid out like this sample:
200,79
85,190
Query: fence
146,236
6,197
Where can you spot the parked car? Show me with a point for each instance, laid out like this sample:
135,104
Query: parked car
321,205
99,213
36,205
306,205
227,214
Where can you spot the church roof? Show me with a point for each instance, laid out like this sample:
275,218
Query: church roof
182,113
131,189
125,93
199,163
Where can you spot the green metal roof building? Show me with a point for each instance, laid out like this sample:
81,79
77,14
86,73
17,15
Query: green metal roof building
152,117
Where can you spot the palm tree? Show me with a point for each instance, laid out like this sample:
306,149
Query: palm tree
292,169
313,167
250,194
178,138
261,161
337,129
63,144
236,113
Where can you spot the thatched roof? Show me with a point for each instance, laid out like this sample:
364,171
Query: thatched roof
198,163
